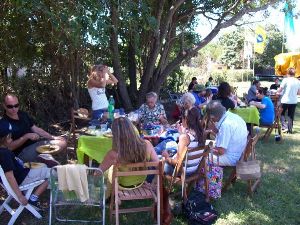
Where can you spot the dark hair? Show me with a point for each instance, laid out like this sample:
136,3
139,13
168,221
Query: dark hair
194,78
291,71
210,78
255,82
208,92
224,90
262,91
193,119
277,78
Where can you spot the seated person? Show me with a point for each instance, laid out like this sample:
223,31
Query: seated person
127,147
276,85
209,82
231,134
191,134
251,96
17,175
224,92
266,107
193,82
25,134
199,93
151,111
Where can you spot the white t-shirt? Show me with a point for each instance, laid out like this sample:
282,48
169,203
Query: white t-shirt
290,86
99,99
232,136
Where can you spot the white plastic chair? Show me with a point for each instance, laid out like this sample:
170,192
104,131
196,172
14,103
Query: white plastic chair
26,189
63,204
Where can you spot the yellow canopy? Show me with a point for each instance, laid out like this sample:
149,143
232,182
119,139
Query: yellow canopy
284,61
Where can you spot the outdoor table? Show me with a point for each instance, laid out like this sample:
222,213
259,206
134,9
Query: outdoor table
249,114
95,147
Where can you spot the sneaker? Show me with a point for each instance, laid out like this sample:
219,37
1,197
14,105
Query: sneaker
285,130
48,160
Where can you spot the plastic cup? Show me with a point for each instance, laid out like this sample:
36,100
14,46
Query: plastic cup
103,127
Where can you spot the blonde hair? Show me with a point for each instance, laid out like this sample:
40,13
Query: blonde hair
126,141
93,71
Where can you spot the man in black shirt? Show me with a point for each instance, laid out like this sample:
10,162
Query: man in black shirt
16,174
276,85
25,134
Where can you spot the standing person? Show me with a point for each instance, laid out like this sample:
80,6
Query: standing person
25,134
209,82
193,82
276,85
231,134
16,174
96,87
290,88
152,112
266,107
251,96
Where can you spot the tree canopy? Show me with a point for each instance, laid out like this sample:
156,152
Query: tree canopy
145,41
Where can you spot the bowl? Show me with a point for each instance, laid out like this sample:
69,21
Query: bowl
47,149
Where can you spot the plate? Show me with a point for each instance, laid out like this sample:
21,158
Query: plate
109,135
47,149
34,165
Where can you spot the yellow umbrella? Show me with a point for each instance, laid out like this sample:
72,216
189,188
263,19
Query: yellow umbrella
284,61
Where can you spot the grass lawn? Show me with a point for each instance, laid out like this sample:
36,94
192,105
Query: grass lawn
277,200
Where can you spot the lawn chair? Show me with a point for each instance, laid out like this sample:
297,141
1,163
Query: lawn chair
250,147
275,126
197,155
67,207
142,192
26,189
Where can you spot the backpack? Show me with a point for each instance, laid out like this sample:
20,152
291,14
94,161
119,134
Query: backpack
198,211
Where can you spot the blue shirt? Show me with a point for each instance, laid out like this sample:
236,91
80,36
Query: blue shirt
267,114
199,100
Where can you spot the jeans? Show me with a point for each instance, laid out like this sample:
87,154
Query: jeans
96,114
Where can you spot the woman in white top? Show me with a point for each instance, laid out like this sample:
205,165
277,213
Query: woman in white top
290,88
98,79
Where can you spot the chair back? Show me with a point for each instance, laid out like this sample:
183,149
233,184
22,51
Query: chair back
5,184
250,148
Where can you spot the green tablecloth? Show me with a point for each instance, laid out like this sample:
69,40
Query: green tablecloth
95,147
249,114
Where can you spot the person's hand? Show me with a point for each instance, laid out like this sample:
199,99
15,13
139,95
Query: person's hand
57,138
163,119
165,154
251,103
32,136
181,129
23,200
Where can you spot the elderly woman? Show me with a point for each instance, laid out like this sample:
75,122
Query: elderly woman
127,147
151,111
266,107
191,134
96,86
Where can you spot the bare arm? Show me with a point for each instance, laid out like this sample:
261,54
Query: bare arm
112,79
41,132
14,185
151,151
218,151
109,160
96,83
20,141
258,104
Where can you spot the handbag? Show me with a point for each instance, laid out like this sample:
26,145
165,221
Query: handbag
248,170
215,177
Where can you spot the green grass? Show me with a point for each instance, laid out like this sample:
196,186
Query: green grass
277,200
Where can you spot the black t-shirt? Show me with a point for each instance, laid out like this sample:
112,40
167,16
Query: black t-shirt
19,128
275,86
8,163
227,103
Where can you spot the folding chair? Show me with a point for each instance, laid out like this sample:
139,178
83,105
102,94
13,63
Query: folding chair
26,189
275,126
232,177
64,205
141,192
196,156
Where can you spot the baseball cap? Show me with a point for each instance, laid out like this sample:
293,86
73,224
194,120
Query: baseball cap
198,87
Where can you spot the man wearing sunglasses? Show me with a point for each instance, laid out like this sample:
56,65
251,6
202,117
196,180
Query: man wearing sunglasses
26,135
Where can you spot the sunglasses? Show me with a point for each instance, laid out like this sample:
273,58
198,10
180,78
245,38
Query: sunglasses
12,106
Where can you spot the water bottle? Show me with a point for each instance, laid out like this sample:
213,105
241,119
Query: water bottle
111,107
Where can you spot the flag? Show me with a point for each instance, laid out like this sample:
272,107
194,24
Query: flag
260,39
288,19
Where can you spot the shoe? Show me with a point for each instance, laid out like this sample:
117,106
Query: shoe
285,130
48,160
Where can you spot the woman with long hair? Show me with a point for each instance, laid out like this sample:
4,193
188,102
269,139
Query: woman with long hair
98,79
127,147
191,134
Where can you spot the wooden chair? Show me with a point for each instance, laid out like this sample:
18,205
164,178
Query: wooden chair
26,189
197,154
276,124
142,192
248,150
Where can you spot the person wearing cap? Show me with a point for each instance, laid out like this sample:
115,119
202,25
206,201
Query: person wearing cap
16,174
193,82
96,84
199,93
25,134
